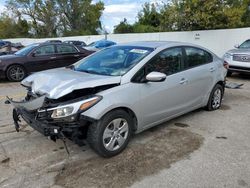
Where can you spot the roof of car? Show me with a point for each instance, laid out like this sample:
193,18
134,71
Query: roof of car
155,44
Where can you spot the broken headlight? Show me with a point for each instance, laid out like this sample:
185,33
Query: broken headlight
62,112
71,109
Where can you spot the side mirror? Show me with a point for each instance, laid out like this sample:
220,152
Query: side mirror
33,54
236,45
156,77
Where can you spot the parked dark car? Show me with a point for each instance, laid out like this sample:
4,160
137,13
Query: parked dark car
76,43
38,57
53,41
4,43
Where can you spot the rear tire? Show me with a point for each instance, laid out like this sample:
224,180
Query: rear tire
16,73
215,98
110,135
229,74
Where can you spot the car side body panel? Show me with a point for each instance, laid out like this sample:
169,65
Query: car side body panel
175,98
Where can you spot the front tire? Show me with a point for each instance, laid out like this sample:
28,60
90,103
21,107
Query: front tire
215,98
110,135
229,74
16,73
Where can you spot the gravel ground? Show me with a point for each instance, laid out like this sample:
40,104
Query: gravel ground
200,149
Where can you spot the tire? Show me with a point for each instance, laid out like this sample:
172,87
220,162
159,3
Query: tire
229,74
110,135
215,98
16,73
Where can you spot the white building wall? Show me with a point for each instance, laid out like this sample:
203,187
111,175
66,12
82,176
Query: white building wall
218,41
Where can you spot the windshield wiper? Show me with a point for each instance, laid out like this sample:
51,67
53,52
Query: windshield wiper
72,67
90,72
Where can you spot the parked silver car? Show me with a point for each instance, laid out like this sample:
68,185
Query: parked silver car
239,59
121,90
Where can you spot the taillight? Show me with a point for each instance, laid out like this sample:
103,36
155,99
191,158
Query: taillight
226,65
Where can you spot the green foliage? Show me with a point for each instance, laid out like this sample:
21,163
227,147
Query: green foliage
80,17
51,18
188,15
123,27
149,15
9,28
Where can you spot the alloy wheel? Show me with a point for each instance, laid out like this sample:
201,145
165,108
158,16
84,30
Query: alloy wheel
115,134
216,100
16,73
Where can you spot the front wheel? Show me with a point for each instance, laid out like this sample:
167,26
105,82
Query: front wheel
110,136
16,73
229,74
215,98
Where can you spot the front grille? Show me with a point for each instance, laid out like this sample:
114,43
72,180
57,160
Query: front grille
241,58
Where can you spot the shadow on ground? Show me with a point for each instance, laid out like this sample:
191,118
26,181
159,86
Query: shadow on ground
164,147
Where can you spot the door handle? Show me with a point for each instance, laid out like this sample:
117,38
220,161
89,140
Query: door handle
183,81
76,55
212,69
52,57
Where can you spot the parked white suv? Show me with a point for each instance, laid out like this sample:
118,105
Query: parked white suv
239,59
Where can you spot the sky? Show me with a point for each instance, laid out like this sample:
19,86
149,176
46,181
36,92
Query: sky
115,11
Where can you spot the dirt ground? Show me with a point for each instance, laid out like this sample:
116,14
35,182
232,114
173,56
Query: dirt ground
200,149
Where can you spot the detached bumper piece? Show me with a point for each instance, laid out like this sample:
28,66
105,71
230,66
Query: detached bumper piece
43,123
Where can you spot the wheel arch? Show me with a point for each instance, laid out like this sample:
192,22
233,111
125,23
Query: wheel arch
222,83
130,112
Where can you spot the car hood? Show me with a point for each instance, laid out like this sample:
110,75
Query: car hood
56,83
239,51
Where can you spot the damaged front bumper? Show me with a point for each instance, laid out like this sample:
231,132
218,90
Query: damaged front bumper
59,129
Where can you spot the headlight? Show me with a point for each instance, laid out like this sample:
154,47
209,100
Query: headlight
227,56
71,109
62,112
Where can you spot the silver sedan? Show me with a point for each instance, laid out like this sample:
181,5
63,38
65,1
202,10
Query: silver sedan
121,90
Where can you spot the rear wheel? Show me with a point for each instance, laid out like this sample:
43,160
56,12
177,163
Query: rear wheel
215,98
229,74
110,136
16,73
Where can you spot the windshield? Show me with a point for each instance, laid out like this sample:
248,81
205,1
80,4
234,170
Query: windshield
113,61
26,50
245,44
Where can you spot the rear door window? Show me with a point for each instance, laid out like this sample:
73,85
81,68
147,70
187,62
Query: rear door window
66,49
196,57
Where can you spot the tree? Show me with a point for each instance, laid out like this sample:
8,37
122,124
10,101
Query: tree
199,15
148,21
80,17
50,18
42,15
149,15
246,15
10,28
123,27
